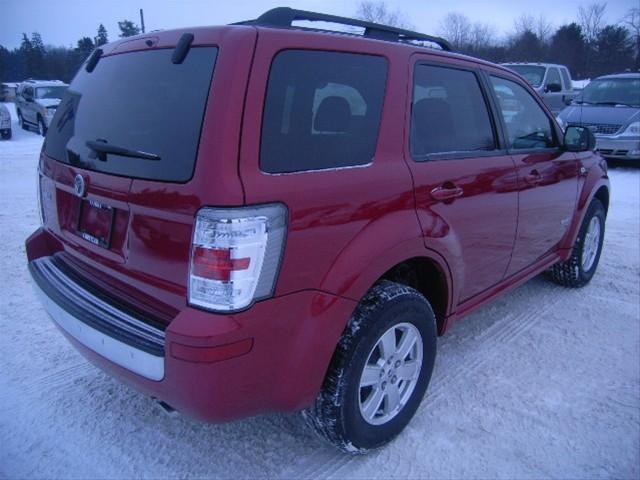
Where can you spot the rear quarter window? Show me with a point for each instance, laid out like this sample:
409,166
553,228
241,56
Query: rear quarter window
322,110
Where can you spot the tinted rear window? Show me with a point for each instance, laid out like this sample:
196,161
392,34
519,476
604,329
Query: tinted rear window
139,101
322,110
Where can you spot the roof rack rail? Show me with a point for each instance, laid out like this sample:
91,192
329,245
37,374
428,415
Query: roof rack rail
284,17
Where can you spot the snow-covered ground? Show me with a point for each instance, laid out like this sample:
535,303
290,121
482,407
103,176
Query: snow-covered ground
544,382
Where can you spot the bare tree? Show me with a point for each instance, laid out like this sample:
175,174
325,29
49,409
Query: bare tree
482,36
544,29
591,19
632,21
524,23
457,29
541,26
379,12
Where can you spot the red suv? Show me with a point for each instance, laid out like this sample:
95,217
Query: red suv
262,217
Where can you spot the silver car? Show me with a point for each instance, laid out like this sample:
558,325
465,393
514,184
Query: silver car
610,107
36,103
5,122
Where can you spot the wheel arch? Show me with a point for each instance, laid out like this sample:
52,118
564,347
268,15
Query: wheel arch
393,248
595,186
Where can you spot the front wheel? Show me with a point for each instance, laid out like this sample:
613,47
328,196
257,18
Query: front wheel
578,270
379,372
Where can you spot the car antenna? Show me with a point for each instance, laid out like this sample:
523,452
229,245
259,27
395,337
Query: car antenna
182,48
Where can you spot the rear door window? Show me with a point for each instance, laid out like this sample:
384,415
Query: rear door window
322,110
449,113
140,101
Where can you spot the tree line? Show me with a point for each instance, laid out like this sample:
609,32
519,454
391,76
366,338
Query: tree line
34,59
589,45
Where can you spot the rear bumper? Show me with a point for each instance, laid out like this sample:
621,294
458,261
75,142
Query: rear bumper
96,323
272,357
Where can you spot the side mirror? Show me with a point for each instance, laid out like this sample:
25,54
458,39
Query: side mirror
579,139
567,100
553,87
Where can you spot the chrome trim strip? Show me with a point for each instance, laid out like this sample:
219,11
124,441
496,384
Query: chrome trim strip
95,305
133,359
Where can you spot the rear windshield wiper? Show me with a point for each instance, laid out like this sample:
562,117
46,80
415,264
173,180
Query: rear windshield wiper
102,147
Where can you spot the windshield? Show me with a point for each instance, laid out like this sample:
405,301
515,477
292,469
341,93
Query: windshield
612,91
50,92
137,115
531,73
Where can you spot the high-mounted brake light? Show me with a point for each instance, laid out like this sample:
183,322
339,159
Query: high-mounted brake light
235,255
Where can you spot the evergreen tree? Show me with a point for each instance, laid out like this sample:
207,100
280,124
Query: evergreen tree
614,50
102,37
85,47
128,28
37,66
527,47
568,47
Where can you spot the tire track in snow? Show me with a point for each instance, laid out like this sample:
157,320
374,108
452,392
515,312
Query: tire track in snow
495,338
59,378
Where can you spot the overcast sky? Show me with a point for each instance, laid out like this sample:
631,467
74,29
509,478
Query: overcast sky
63,22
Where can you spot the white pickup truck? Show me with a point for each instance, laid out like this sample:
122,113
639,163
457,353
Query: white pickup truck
551,81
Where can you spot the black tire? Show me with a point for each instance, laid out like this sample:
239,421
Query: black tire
571,273
42,128
7,136
336,414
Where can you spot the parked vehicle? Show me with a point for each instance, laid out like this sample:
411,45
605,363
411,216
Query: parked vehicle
610,107
37,101
5,122
8,91
295,233
552,82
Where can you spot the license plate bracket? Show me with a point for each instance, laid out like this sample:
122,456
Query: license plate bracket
95,222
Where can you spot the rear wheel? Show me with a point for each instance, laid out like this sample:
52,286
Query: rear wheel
379,371
578,270
7,135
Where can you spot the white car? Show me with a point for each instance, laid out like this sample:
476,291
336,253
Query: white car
5,122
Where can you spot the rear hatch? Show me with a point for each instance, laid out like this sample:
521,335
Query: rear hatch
137,145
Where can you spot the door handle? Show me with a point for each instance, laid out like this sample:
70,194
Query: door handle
533,178
446,192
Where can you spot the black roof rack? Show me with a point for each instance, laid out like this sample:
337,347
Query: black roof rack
284,17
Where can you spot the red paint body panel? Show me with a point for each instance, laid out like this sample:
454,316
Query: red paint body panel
346,228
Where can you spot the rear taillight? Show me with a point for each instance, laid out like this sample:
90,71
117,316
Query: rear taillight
235,255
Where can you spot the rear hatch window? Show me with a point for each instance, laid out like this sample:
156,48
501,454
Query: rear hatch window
140,102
